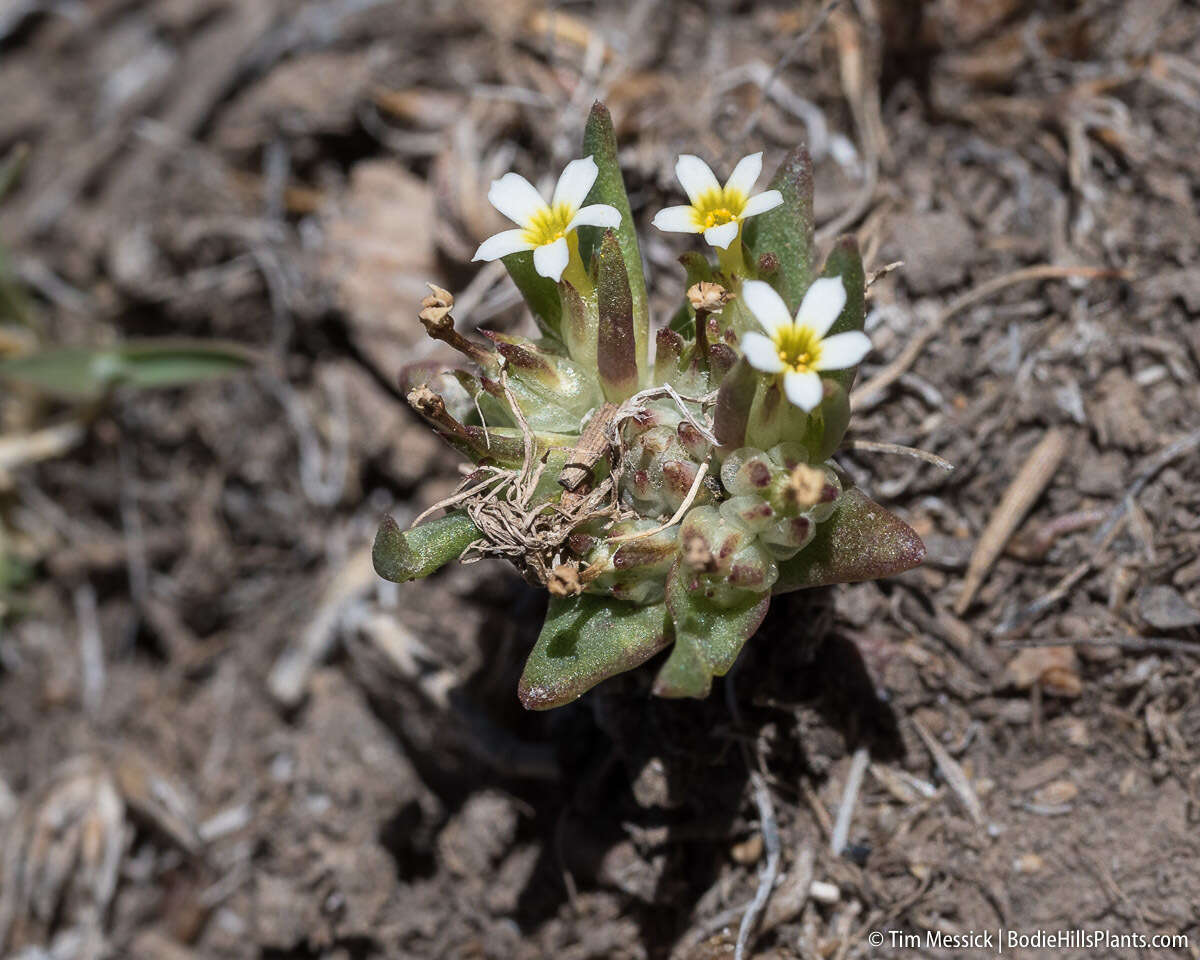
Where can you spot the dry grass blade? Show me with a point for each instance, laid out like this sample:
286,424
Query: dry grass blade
770,870
845,814
875,446
678,515
39,445
952,772
288,680
1021,494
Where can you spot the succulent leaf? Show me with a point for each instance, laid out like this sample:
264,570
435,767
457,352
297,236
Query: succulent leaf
845,261
708,636
827,424
787,231
734,400
616,345
860,541
403,555
600,142
580,323
540,293
667,354
587,639
697,269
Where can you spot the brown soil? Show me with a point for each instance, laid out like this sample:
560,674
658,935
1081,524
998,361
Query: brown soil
221,736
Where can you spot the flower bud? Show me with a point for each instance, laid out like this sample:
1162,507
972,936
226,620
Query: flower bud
751,513
747,472
788,536
692,441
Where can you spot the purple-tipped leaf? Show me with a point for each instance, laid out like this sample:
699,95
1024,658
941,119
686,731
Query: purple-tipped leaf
861,541
735,397
616,348
600,143
579,326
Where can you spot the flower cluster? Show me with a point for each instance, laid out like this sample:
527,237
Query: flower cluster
793,349
661,483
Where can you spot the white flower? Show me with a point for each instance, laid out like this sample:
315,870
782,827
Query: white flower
798,349
548,229
716,211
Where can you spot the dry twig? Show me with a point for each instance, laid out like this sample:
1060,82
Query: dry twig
1021,494
875,446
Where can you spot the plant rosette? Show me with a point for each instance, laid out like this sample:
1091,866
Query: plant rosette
661,489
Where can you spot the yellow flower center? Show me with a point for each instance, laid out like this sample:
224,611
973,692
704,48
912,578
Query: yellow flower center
549,224
799,348
718,207
714,218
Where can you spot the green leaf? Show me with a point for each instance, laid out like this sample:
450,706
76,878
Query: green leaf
845,261
696,268
861,541
540,293
735,397
587,639
787,230
683,321
403,555
708,637
617,350
827,424
87,372
600,143
580,321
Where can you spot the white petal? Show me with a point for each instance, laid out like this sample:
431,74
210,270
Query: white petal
677,220
761,352
550,259
804,390
696,176
843,350
822,305
502,244
596,215
766,305
745,175
723,235
575,183
761,203
516,198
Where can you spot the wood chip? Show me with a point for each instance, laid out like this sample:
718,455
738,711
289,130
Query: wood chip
1055,668
1040,773
1165,609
